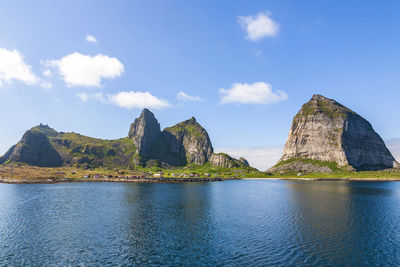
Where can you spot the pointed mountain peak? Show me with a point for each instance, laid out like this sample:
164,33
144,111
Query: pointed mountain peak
143,132
146,113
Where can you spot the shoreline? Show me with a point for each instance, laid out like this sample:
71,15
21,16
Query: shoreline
108,180
328,179
179,180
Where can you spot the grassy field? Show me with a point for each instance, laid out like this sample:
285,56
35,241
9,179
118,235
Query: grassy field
23,172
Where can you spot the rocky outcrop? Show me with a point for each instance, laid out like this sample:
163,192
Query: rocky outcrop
299,165
325,130
34,149
144,131
185,143
222,160
244,161
225,161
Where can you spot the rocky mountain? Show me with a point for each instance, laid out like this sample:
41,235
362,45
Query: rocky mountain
325,132
143,131
146,145
34,149
185,143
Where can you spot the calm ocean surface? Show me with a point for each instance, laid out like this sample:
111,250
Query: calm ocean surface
231,223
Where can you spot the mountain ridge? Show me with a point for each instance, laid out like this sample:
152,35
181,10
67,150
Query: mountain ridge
146,145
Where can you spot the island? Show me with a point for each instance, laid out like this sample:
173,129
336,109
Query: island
326,141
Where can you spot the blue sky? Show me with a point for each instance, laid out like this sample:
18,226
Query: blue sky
242,68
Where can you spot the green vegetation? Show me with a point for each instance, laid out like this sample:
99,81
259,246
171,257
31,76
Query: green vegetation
25,173
387,174
342,172
330,164
45,129
84,151
190,126
325,106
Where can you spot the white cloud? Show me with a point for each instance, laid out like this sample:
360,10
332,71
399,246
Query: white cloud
261,158
185,97
85,70
394,147
133,99
85,97
91,39
47,73
126,99
254,93
258,26
13,67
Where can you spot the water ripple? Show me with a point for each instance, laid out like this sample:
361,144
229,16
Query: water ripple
233,223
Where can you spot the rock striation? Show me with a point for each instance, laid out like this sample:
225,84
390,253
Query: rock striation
225,161
324,130
143,132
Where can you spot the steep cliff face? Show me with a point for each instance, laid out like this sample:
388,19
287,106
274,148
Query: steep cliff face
225,161
325,130
144,131
186,143
35,149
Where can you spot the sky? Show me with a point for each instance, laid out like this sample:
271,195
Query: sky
241,68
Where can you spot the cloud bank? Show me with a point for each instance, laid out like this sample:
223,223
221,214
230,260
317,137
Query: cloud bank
259,26
85,70
254,93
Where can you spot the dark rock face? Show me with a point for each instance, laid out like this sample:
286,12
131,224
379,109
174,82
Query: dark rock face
244,161
325,130
185,143
6,156
363,147
35,149
144,131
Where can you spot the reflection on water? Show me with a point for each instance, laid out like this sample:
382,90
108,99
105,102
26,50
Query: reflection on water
232,223
347,223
